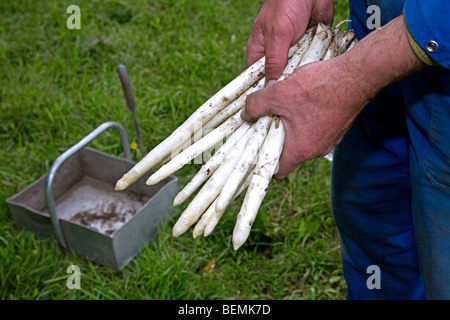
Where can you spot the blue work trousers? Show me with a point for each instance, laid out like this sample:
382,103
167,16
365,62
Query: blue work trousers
391,184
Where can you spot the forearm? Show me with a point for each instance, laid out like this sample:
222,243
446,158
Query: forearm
381,58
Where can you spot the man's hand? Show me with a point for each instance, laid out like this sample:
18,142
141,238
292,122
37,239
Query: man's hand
279,24
319,101
317,104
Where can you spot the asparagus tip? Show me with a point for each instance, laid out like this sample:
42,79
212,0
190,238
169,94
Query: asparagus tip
176,232
179,199
208,230
196,233
121,185
178,229
238,241
152,180
221,205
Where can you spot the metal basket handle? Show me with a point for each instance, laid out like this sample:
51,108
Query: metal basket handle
65,156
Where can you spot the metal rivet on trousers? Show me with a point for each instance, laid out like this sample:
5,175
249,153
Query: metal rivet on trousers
432,46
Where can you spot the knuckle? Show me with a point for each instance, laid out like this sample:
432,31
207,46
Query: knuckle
274,66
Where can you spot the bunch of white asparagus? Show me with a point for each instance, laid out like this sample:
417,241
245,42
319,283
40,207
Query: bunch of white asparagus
248,158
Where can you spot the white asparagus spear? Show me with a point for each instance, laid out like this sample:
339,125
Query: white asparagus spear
264,170
210,167
244,184
210,189
233,107
299,54
204,113
215,215
259,133
354,42
197,148
319,44
172,154
343,39
198,133
204,220
211,217
331,51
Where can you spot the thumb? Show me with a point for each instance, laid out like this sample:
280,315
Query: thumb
257,105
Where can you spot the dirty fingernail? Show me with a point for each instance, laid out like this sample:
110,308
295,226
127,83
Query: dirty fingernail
246,117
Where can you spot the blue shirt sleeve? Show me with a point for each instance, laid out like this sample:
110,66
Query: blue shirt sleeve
428,22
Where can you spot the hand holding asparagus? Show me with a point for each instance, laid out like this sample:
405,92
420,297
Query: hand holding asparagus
249,157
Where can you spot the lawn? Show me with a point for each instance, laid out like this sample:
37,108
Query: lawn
58,84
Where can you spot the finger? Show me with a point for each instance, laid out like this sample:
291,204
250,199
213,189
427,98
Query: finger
289,156
284,169
286,165
276,46
255,47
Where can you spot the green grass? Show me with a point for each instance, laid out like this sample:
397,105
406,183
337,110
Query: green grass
57,85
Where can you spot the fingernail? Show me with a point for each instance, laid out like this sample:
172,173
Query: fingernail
245,116
270,82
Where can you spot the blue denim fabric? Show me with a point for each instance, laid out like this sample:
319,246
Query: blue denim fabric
427,105
391,183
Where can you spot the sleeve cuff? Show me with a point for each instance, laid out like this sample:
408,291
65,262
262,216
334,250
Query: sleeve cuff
427,22
420,53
